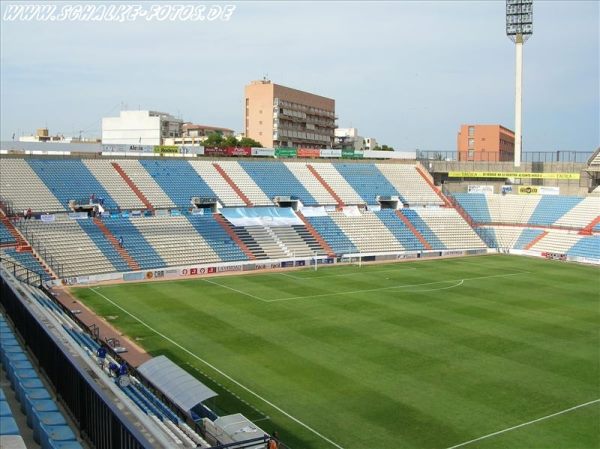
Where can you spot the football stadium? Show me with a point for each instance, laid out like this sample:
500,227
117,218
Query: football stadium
341,303
297,285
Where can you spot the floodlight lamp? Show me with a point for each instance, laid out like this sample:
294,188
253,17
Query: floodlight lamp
519,19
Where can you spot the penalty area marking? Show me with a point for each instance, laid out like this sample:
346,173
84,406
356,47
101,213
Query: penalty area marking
525,424
394,287
312,278
227,376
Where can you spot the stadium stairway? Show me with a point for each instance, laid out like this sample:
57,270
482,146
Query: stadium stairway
132,186
276,179
331,233
526,237
309,227
334,178
398,228
26,263
326,185
536,239
178,179
133,265
97,236
229,229
217,237
427,177
18,239
233,185
6,236
472,207
414,230
590,227
422,227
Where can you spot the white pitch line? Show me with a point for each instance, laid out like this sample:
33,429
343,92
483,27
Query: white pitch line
394,287
241,292
311,278
227,376
458,284
524,424
292,276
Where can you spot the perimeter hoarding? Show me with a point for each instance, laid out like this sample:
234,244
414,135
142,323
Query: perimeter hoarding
477,174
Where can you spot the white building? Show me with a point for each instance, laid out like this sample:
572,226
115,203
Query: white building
370,143
140,128
349,137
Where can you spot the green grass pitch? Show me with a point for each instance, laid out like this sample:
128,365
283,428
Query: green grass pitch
428,354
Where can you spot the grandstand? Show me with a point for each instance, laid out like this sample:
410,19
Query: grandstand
102,218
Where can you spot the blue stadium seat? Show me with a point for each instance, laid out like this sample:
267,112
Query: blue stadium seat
47,419
332,234
475,204
526,237
217,238
551,208
400,230
137,246
103,244
178,179
422,227
586,247
368,181
70,179
6,238
276,179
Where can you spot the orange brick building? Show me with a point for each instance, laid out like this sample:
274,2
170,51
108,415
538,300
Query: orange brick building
279,116
486,143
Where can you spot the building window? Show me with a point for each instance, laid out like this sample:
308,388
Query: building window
470,154
260,122
471,143
260,133
471,131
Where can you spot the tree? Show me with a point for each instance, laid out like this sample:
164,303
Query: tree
213,140
248,142
230,141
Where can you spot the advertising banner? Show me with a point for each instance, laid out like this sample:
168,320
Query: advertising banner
328,152
352,154
481,189
215,151
266,152
474,174
238,151
47,218
162,149
507,189
286,152
538,190
309,152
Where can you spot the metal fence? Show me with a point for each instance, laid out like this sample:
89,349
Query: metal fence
528,156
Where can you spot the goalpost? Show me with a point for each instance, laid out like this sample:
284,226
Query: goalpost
352,259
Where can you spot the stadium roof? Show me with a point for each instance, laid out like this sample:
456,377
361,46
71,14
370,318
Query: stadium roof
178,385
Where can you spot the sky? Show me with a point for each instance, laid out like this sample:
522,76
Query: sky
407,73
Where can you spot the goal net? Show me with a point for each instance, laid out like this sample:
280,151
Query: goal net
351,259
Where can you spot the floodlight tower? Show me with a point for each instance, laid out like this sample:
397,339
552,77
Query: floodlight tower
519,26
